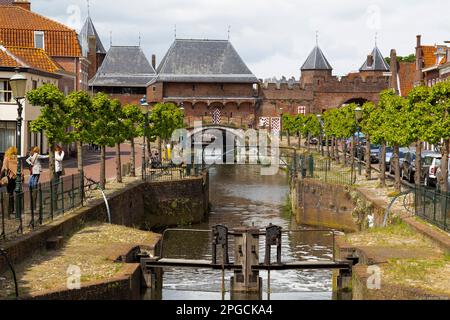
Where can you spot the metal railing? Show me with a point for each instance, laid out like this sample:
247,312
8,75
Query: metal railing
325,170
433,206
167,171
39,206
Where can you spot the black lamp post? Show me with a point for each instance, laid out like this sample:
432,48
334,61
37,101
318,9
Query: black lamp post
18,85
358,117
144,104
319,116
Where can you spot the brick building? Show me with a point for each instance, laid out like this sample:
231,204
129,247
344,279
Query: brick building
21,27
210,80
124,74
319,90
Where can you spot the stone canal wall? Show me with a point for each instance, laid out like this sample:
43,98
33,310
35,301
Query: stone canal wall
140,205
325,205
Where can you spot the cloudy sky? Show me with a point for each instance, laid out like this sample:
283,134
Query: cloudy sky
273,37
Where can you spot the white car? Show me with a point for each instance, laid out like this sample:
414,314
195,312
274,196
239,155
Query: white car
438,174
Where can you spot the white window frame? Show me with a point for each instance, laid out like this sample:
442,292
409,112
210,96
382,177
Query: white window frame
5,91
39,33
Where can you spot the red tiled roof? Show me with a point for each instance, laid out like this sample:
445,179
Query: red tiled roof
17,27
27,57
429,57
3,2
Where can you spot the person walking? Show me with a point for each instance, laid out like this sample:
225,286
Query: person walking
9,175
59,157
36,166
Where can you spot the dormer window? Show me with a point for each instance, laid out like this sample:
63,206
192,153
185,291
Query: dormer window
39,40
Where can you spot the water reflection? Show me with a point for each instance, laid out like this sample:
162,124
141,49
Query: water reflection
240,196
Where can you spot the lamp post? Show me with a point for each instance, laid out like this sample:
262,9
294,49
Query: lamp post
358,117
18,85
146,105
321,149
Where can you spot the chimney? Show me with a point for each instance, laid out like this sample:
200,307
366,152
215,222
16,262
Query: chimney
25,4
418,76
370,61
154,61
393,84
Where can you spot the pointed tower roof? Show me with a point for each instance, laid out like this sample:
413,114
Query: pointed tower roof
375,62
316,61
87,31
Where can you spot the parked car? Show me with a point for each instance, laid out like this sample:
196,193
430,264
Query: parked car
430,165
438,175
389,153
408,166
401,154
312,141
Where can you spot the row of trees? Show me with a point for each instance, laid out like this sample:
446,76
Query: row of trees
397,122
82,119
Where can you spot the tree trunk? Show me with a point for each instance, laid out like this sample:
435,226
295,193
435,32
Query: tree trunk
345,153
338,158
368,160
444,166
288,138
309,142
133,158
51,161
383,165
418,173
80,158
102,167
396,159
299,140
328,146
160,148
118,164
353,152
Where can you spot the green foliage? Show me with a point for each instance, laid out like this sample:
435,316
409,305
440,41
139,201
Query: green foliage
104,126
418,114
410,58
53,119
164,120
312,125
340,123
289,124
132,121
80,112
439,100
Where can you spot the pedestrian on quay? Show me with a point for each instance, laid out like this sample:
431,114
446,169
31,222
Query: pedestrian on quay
8,176
59,157
36,166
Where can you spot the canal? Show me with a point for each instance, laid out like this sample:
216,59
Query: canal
241,196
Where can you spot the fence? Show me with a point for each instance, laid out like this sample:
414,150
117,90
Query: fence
29,209
325,170
167,171
433,206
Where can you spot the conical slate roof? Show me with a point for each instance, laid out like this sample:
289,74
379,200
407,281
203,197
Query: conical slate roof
204,61
379,64
87,31
124,67
316,61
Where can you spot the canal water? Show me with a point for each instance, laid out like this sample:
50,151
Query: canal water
241,196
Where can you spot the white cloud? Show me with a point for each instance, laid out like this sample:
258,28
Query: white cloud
273,37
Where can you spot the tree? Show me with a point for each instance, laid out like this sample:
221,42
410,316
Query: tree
118,133
103,129
53,119
368,128
419,121
80,113
312,128
439,130
289,126
395,118
299,123
164,120
132,122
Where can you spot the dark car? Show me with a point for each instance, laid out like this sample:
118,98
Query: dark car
312,141
402,154
408,166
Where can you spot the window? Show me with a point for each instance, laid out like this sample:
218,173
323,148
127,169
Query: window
35,139
5,91
7,135
39,39
193,87
34,84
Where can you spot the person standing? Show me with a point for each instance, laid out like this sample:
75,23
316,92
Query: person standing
9,175
59,157
36,166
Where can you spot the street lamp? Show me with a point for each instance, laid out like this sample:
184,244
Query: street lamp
358,117
321,149
18,85
145,104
